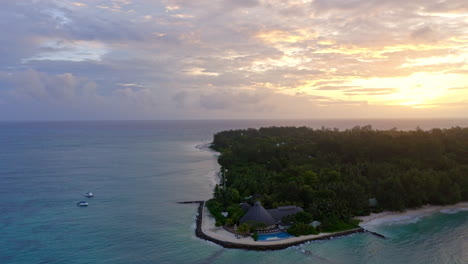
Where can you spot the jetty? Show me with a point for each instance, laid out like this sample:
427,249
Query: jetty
375,234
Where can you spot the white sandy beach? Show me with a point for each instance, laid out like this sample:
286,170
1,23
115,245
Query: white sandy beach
209,228
410,214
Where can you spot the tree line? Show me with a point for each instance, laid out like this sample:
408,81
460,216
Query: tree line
332,174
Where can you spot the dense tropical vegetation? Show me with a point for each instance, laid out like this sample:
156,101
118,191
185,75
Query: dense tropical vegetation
332,174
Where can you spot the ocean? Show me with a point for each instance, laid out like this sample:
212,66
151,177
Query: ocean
139,170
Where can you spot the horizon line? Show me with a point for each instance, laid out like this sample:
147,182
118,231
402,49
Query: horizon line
231,119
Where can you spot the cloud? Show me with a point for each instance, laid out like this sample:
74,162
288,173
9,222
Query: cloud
31,85
458,88
130,85
71,95
229,99
201,59
334,88
425,33
243,3
370,91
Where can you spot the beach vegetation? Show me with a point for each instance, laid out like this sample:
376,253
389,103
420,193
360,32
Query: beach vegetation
339,225
244,229
301,217
229,222
255,236
254,226
216,208
302,229
332,174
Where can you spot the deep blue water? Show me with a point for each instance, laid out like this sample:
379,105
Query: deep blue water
138,170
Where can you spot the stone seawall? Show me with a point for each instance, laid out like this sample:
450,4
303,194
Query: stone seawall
199,233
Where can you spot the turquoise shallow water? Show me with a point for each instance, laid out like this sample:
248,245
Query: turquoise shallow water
138,170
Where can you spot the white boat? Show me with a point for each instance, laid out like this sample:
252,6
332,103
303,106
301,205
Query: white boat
82,203
89,194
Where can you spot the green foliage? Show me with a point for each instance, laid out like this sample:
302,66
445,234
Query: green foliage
232,196
244,229
235,212
302,229
216,208
226,196
255,225
332,174
229,222
255,236
301,217
339,225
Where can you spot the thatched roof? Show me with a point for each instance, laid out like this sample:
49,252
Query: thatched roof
258,214
283,211
245,206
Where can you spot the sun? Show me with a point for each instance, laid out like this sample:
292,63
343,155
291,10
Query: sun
419,90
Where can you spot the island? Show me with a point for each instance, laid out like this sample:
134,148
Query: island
281,186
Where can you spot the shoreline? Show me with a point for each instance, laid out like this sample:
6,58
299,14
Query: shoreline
409,214
214,175
206,229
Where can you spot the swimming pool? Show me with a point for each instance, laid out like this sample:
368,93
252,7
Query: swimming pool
273,236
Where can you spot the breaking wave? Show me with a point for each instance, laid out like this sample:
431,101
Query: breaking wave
453,210
205,146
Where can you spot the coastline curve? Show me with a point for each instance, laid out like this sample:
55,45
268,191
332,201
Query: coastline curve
261,247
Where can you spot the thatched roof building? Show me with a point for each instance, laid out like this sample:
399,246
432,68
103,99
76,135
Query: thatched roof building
282,211
245,206
258,214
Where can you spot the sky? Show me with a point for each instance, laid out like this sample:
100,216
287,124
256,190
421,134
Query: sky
233,59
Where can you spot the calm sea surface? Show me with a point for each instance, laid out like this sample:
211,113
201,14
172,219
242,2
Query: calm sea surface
138,170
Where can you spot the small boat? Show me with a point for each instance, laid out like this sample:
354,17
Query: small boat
82,203
89,194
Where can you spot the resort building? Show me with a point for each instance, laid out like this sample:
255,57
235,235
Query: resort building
283,211
258,214
245,206
271,217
